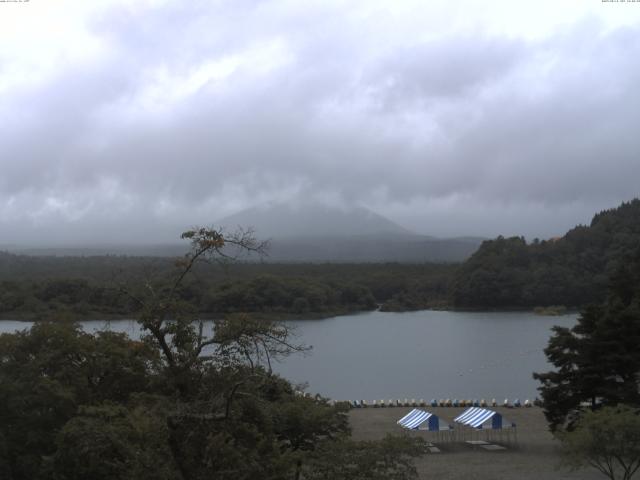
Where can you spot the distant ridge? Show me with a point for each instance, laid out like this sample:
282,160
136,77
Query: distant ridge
134,250
319,233
370,249
303,232
312,220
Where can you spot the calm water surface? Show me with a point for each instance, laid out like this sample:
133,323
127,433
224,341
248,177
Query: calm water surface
425,354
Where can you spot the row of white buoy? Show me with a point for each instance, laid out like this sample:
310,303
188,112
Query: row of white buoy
440,403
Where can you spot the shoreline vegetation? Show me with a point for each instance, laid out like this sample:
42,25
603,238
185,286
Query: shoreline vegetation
309,316
35,288
549,277
288,316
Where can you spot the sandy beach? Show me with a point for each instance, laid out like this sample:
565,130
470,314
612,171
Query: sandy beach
534,455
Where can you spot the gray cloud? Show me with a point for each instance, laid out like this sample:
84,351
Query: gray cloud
191,112
453,68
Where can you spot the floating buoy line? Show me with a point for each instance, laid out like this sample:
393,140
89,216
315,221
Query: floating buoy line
440,403
435,403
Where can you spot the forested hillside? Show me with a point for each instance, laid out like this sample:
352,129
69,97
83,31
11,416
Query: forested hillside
72,288
571,271
504,273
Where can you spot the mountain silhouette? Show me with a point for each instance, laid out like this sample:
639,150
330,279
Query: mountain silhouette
312,220
314,232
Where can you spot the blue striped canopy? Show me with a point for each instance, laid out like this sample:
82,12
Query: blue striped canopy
417,417
475,417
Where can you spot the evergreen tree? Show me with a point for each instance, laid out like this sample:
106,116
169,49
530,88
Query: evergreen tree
572,270
598,360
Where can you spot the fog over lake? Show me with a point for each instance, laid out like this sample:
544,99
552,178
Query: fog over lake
425,354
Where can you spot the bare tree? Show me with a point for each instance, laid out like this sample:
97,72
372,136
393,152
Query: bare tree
175,327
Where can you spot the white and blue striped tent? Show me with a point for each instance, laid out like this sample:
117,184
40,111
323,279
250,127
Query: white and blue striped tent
476,417
416,419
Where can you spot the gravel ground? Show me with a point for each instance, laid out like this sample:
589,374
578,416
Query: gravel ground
533,456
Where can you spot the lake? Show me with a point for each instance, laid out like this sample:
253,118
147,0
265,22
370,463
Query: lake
426,354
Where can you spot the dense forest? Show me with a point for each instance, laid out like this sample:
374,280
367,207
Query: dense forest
504,273
177,404
70,288
571,271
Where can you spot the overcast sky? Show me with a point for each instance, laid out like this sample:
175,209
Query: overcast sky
130,120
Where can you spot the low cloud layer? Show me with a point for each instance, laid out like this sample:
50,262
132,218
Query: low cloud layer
130,122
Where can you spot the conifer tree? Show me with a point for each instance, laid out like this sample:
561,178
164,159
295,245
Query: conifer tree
597,361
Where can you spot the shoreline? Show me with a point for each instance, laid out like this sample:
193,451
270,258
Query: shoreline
535,456
284,316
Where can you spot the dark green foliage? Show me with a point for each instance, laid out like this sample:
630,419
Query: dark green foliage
177,406
301,422
271,294
571,271
388,459
608,440
62,418
36,288
5,458
427,291
111,442
597,361
70,412
62,299
46,374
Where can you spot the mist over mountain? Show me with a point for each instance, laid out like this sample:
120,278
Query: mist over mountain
302,232
286,220
314,232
